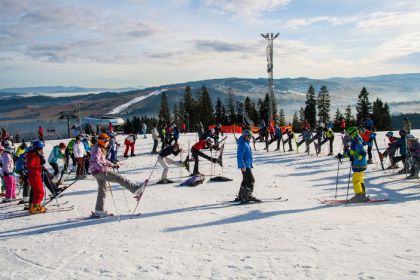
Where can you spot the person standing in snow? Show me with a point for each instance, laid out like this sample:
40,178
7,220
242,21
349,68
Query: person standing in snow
244,160
34,162
390,151
357,155
196,152
79,153
414,154
129,143
165,161
7,169
113,148
155,137
101,169
343,125
407,125
144,130
57,153
41,133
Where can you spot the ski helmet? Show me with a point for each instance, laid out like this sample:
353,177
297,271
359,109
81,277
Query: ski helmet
403,133
38,144
352,131
8,147
411,137
103,139
246,132
389,134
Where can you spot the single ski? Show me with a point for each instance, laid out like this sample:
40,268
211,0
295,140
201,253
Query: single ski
238,202
344,201
25,213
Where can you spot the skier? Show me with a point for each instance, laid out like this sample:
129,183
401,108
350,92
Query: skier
34,161
306,125
290,137
319,135
343,125
369,124
79,153
21,149
144,129
58,152
329,136
368,137
87,144
196,152
164,160
101,170
174,134
129,142
277,136
414,149
407,125
244,160
391,150
402,144
113,148
22,171
110,127
7,169
155,137
4,136
41,133
357,155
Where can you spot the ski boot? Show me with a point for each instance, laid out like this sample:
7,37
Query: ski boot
359,197
101,214
37,209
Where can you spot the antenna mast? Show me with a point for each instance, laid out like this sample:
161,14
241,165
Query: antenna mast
270,37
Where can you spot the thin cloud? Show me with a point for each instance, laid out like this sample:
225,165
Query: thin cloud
244,8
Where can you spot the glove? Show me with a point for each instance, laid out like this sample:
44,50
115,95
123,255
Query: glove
339,156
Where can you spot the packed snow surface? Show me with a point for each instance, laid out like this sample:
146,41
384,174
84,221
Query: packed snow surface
190,233
124,106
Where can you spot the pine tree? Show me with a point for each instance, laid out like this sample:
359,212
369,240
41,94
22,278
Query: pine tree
251,111
128,127
282,119
189,107
296,123
350,121
363,106
175,115
310,109
164,113
230,107
263,109
301,114
218,111
381,116
205,108
323,104
337,120
136,124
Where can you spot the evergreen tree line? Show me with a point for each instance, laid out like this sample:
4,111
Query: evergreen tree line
196,109
317,109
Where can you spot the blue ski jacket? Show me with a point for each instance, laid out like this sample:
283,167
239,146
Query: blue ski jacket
244,154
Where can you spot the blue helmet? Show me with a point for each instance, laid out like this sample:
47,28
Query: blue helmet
38,144
246,132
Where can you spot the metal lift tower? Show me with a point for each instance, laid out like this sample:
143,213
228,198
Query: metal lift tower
270,37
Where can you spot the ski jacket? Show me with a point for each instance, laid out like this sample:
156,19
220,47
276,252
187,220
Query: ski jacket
244,154
20,150
202,144
175,133
358,153
167,151
97,162
55,154
407,126
278,132
87,145
79,150
7,164
368,137
329,134
307,135
415,149
155,134
21,165
70,146
402,144
34,163
392,140
343,124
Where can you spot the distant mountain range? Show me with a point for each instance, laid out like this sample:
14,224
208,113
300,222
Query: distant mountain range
41,104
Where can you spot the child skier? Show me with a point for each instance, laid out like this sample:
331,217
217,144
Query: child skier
357,155
164,160
390,151
204,144
7,171
58,152
129,143
79,153
155,137
244,159
34,162
101,169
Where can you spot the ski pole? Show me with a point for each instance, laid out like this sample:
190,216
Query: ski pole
144,187
336,183
125,196
348,186
113,200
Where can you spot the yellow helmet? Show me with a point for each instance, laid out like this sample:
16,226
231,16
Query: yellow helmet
102,139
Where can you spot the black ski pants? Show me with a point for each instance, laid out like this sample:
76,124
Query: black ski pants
247,184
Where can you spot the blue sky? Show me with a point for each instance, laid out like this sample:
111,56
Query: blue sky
104,43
